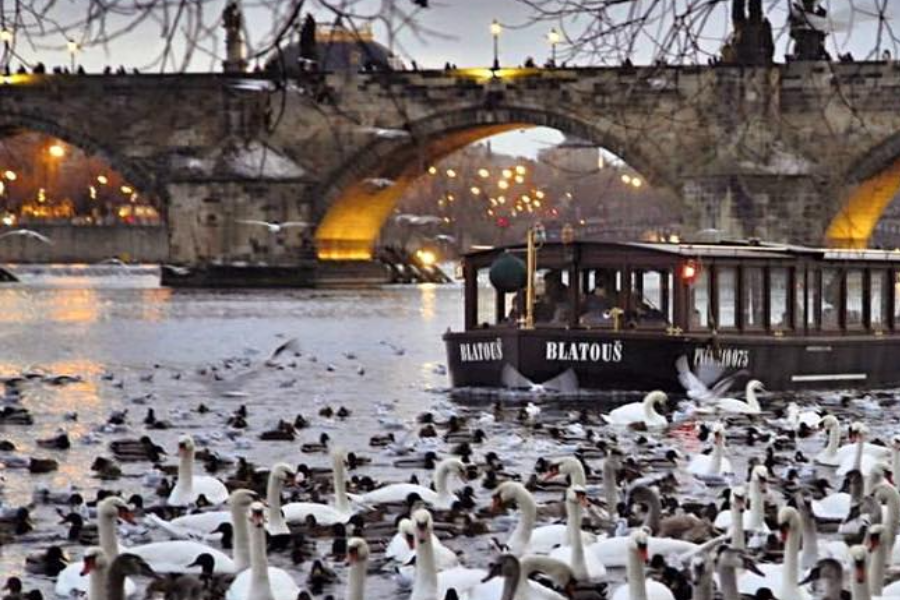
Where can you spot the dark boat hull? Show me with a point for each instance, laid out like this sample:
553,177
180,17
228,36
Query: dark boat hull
640,361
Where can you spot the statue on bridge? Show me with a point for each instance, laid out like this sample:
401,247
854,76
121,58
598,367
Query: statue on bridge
809,26
232,22
751,43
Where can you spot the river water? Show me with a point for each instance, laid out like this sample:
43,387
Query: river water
135,345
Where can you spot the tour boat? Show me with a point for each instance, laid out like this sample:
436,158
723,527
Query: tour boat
677,316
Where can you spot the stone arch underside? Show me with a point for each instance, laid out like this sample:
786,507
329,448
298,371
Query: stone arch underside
872,184
141,178
353,205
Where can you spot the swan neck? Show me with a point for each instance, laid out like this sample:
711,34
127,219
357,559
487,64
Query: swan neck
834,440
757,510
579,565
654,511
273,498
357,581
650,413
860,446
610,487
859,590
637,583
752,401
106,530
341,502
791,576
877,569
737,527
890,497
98,579
441,477
718,452
259,564
115,584
426,571
185,481
728,583
241,538
527,518
810,540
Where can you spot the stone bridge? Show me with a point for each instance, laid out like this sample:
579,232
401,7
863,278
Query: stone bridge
805,152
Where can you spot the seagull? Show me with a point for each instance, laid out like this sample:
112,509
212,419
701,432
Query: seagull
276,227
27,233
387,133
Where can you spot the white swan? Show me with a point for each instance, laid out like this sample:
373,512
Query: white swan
640,412
749,407
829,455
440,497
783,579
637,586
204,524
358,558
429,584
95,567
72,579
189,487
585,566
325,514
796,417
525,538
836,506
715,464
860,455
567,466
260,581
755,518
402,549
859,575
613,551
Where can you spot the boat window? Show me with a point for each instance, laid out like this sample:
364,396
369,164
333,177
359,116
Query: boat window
831,299
877,299
604,294
699,296
649,298
801,317
754,305
854,307
486,301
551,298
812,302
779,316
897,299
726,291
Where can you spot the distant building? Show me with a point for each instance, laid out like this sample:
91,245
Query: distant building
572,157
338,49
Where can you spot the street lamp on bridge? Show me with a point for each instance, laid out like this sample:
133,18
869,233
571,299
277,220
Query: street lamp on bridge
496,30
73,48
553,38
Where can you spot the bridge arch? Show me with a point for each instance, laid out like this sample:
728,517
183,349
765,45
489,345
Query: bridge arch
872,183
142,178
354,202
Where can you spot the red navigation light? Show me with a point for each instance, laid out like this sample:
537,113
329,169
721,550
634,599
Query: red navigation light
689,272
502,222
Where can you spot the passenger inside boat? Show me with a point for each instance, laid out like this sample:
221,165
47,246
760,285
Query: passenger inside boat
552,306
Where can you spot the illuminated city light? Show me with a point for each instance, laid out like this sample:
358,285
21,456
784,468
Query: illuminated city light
539,194
6,36
475,190
484,173
102,179
127,190
636,182
501,199
536,203
9,220
2,188
626,179
521,170
432,170
426,257
56,151
520,179
503,184
10,175
93,192
507,174
451,173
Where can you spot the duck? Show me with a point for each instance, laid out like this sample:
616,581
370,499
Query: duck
260,581
188,488
525,538
440,497
686,528
784,578
121,567
324,514
637,586
316,447
586,566
429,583
640,413
49,562
508,579
750,406
713,465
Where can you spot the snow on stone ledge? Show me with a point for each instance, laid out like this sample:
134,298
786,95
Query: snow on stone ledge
256,160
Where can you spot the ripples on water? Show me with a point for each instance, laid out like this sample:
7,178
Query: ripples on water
118,321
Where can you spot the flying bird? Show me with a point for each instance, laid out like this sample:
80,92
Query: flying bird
276,227
27,233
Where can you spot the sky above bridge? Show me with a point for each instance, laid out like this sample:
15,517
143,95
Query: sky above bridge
454,31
